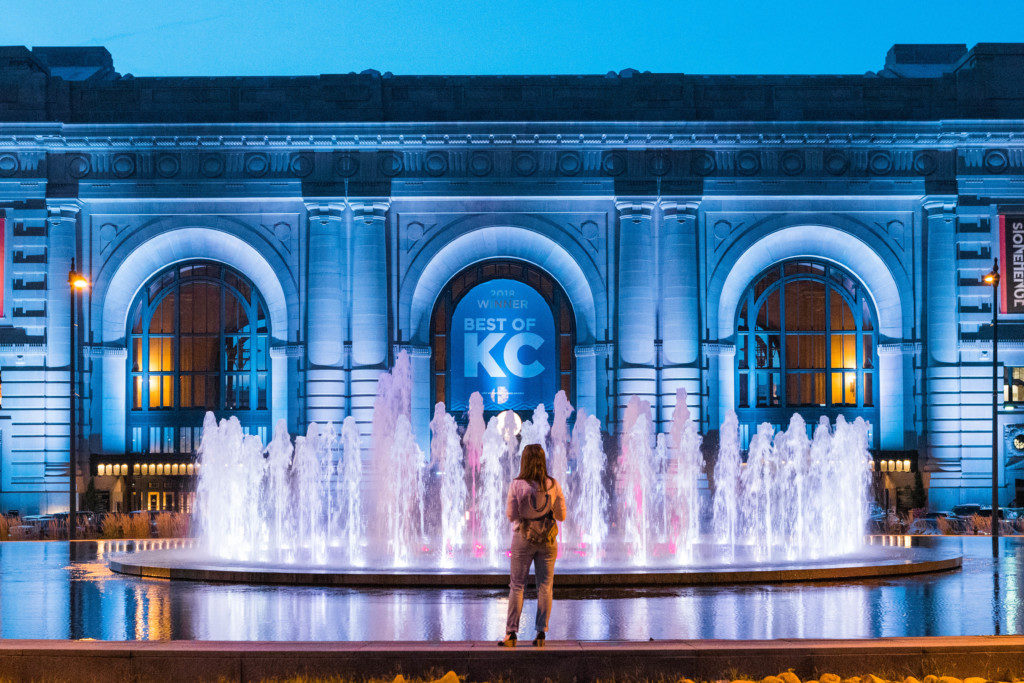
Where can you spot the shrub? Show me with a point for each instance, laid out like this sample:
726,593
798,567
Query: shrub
172,524
982,525
137,526
57,528
113,525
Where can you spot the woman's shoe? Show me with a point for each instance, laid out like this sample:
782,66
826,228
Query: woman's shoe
510,640
539,640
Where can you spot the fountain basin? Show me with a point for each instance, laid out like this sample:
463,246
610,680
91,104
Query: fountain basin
869,562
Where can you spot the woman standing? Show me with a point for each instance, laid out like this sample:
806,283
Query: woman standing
535,504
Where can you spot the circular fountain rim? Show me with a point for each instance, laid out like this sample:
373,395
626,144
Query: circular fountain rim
900,562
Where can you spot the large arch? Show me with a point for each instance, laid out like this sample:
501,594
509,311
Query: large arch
881,276
463,245
151,250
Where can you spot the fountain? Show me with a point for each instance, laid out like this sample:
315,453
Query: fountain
308,511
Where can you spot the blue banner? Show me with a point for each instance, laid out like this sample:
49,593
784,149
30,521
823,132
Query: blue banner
503,344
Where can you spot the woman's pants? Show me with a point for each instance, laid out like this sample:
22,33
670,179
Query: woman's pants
542,557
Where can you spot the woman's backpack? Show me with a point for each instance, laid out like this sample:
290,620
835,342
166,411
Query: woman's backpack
541,531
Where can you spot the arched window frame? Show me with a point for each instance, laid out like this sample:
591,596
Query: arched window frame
501,269
777,407
242,384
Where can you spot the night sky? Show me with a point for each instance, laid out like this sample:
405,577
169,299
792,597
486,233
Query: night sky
291,37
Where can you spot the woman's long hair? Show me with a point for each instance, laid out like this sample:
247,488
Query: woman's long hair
534,465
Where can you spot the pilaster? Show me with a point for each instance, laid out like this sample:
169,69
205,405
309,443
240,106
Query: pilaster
327,323
637,304
369,307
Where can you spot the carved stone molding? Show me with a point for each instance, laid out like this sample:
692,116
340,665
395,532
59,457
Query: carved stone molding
369,210
290,350
414,350
57,212
325,211
679,211
105,351
898,348
592,350
985,345
721,349
635,211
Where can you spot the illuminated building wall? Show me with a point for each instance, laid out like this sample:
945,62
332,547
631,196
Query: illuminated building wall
649,210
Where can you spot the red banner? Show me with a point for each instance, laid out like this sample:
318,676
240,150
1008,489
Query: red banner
3,260
1011,262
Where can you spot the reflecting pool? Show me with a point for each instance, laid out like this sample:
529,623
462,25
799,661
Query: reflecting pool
61,590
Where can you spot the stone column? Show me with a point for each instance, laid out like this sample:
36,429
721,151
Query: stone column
637,305
369,308
113,359
942,370
721,369
62,219
893,359
679,306
327,323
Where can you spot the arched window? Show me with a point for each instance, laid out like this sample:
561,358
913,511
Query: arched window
561,346
806,342
198,341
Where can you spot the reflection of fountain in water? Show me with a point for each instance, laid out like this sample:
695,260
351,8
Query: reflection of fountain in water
312,503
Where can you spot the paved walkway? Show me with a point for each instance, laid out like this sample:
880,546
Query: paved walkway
991,657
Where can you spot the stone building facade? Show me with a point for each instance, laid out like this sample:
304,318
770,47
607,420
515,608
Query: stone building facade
266,246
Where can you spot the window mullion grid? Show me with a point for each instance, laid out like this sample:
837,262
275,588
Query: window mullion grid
783,360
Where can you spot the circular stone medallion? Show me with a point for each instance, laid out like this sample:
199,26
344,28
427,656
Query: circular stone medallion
524,164
211,165
436,164
167,165
480,164
613,163
569,163
8,164
346,165
748,163
256,165
836,163
301,165
79,166
123,165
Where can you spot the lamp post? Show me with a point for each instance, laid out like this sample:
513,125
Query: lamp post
992,278
76,283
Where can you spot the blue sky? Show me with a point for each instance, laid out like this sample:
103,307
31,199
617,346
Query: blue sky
286,37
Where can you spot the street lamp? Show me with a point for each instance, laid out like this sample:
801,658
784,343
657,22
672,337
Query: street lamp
77,283
992,278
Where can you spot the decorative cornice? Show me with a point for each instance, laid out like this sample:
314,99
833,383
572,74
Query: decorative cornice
719,349
290,350
325,211
369,210
414,350
678,211
592,350
382,135
7,350
897,348
105,351
634,210
63,210
986,344
939,205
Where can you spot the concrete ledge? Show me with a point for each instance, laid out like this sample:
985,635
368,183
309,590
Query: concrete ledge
163,564
991,657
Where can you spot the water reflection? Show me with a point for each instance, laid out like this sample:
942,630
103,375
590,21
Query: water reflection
61,590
